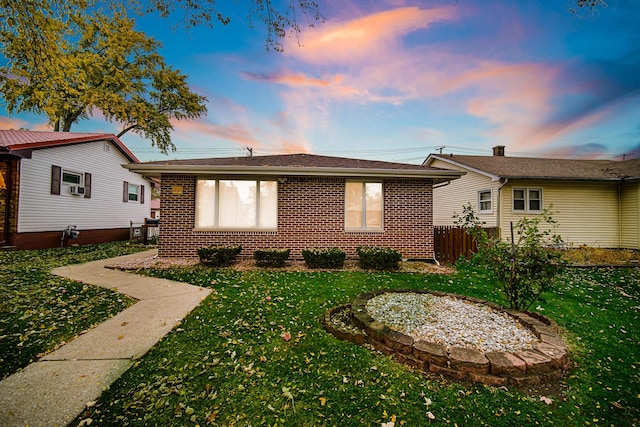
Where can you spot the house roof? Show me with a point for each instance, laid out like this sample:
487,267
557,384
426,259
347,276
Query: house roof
294,165
16,141
539,168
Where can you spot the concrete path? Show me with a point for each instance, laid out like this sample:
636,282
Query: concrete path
55,389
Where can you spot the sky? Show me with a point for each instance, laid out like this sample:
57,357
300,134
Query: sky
396,80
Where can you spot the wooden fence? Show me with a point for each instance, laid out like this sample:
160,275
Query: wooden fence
450,243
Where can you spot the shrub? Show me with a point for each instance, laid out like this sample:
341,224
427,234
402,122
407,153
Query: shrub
524,267
324,257
377,258
271,257
218,255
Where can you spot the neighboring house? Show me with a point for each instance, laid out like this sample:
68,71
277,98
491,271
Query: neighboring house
596,202
295,201
155,208
53,180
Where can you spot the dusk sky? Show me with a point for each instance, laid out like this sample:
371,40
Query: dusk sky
395,80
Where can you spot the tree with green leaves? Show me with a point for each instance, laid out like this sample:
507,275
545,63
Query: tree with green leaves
67,63
526,266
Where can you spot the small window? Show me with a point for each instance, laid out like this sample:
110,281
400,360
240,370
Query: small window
527,199
134,192
484,201
363,205
71,178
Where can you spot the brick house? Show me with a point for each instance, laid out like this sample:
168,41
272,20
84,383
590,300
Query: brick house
295,201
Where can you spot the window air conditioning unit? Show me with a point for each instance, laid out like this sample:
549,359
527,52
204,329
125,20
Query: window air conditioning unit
76,190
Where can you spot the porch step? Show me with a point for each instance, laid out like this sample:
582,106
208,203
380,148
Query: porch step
7,248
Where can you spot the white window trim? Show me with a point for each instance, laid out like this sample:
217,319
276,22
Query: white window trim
216,209
68,171
65,186
364,208
526,199
485,211
129,193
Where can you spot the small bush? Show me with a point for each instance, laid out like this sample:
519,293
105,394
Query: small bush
377,258
271,257
324,257
218,255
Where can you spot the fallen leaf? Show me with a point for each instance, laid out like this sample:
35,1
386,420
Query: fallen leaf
546,400
323,401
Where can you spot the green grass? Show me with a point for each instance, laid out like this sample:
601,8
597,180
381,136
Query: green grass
230,362
39,310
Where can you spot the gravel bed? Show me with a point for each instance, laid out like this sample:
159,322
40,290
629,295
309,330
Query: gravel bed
451,322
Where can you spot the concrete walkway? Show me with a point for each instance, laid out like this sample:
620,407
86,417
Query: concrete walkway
55,389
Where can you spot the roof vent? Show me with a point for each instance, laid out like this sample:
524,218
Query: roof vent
498,150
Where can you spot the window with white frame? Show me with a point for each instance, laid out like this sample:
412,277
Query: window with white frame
484,201
236,204
133,192
363,205
527,199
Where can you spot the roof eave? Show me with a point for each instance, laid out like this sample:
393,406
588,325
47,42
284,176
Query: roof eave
17,148
158,170
429,160
559,178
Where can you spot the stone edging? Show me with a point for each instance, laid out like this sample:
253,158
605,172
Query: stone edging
545,362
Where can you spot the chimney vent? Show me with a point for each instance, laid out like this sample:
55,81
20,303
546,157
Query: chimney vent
498,150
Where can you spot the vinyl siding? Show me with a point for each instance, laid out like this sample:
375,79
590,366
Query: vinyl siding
587,212
41,211
630,215
449,199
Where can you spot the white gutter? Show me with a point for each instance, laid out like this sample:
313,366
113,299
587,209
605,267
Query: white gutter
157,170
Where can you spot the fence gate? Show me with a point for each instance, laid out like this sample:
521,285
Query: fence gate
450,243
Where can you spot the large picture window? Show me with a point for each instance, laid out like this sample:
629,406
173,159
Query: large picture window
363,206
527,199
236,204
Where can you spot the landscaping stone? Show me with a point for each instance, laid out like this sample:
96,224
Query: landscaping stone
398,341
430,353
468,360
490,380
557,355
553,340
545,362
505,364
537,363
448,372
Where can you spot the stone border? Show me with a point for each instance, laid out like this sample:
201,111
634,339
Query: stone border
545,362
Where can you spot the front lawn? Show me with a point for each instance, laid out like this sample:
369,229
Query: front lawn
39,310
255,353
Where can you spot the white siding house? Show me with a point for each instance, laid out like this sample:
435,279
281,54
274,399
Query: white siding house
66,179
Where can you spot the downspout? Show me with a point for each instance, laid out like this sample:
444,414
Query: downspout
499,208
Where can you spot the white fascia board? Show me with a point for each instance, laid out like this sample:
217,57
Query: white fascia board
158,170
449,160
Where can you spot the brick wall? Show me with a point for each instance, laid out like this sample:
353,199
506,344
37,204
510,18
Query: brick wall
310,214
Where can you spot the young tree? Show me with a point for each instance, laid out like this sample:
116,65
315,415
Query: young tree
77,62
526,266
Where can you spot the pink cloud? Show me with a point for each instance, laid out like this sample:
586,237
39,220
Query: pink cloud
237,133
364,38
11,123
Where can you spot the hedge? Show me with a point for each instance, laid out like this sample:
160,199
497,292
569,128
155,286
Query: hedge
271,257
324,257
218,255
379,258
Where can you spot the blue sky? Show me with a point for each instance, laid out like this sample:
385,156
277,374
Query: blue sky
396,80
